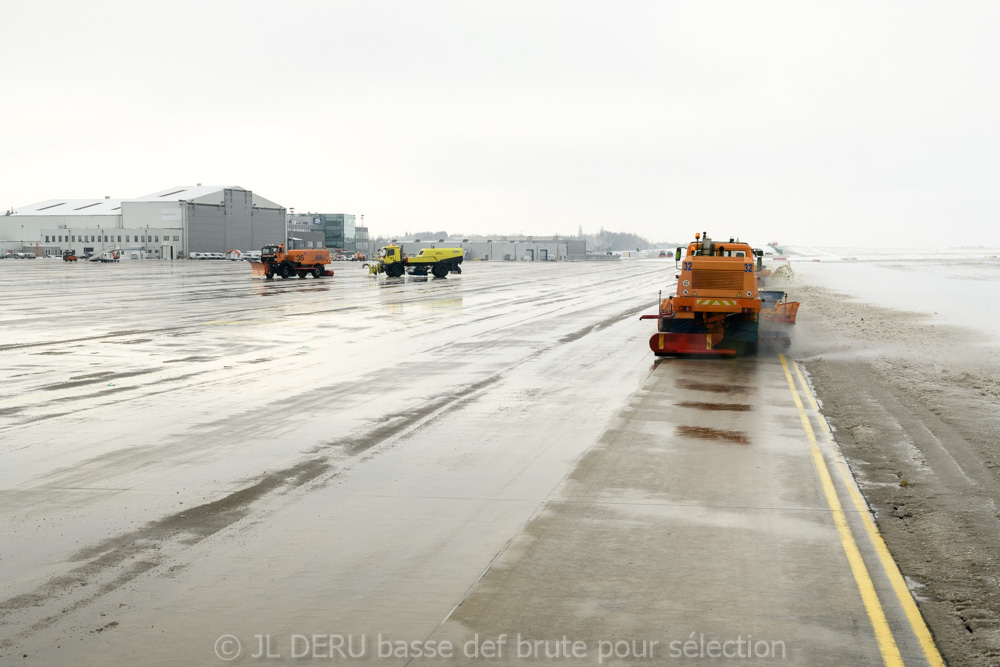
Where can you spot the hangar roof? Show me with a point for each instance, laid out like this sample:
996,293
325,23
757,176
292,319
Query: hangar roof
72,207
185,192
201,194
114,206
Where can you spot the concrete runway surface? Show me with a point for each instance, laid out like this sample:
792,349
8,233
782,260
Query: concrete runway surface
200,467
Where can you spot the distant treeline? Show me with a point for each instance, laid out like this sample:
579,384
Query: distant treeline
605,240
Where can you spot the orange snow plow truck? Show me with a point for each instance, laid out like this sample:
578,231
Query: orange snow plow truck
276,261
717,307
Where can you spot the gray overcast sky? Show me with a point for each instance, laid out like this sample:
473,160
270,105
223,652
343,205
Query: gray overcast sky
825,123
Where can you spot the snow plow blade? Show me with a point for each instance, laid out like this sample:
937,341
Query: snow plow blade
686,343
782,312
256,268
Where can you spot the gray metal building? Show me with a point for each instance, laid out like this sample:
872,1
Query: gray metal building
166,224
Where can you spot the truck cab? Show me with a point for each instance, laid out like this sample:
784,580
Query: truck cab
272,252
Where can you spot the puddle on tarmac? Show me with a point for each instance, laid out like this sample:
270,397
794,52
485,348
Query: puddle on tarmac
704,433
715,388
734,407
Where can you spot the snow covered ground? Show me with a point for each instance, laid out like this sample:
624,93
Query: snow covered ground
855,254
952,287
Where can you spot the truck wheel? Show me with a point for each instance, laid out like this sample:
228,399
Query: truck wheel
318,271
269,275
440,270
394,270
284,271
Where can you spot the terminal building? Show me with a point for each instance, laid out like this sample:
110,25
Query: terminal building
336,231
169,224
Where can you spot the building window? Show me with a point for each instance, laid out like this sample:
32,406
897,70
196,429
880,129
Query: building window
127,239
60,239
46,239
72,239
119,238
177,238
157,238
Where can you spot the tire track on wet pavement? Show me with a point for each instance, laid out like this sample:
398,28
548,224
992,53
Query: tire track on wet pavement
115,561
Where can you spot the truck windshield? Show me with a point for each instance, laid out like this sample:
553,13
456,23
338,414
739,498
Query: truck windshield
269,250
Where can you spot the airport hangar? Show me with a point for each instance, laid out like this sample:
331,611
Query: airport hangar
167,225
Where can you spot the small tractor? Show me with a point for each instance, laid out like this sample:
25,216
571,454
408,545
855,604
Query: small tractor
68,256
439,261
777,307
276,261
717,308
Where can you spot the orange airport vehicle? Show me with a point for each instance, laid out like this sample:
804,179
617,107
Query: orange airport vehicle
716,310
68,256
276,261
777,308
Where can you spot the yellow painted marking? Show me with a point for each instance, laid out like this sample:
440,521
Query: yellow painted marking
888,564
883,635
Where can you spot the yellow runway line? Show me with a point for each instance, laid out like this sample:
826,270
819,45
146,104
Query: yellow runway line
899,586
883,635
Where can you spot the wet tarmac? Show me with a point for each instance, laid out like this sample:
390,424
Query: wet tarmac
199,466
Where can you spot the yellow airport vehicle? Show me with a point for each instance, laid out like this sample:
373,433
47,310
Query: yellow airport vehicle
439,261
